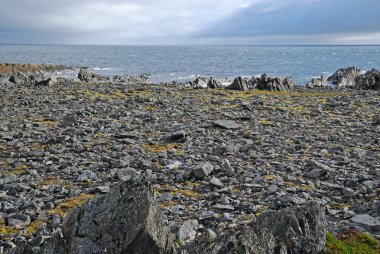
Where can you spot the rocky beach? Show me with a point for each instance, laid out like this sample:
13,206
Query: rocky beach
119,165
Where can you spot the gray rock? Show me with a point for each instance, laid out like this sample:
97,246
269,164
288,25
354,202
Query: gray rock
179,136
292,230
69,120
216,182
345,77
125,220
239,84
87,175
18,220
201,82
226,124
273,84
125,174
86,76
203,170
188,231
369,81
317,82
213,84
227,167
368,222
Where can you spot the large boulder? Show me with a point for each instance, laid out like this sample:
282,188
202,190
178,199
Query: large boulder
292,230
369,81
238,84
213,84
268,83
126,220
345,77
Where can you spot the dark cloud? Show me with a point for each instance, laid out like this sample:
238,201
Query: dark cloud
300,17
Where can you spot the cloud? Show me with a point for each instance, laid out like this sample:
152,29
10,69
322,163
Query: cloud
297,18
189,21
115,21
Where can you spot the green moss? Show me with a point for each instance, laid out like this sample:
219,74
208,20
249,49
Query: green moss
180,244
351,242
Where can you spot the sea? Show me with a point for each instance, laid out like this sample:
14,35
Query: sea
182,63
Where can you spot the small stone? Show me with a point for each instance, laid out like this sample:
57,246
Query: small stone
226,124
216,182
224,207
179,136
87,175
18,220
103,189
69,121
126,174
203,170
188,231
206,215
227,167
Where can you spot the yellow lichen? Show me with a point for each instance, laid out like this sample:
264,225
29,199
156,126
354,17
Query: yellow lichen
160,148
18,170
64,208
105,96
53,181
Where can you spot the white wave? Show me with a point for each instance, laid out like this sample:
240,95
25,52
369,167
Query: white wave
101,69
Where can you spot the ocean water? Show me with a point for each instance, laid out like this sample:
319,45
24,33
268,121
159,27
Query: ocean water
167,63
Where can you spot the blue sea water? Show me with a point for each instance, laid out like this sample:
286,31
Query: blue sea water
167,63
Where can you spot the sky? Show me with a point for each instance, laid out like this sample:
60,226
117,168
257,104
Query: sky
150,22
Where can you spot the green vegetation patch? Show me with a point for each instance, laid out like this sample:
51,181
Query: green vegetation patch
351,242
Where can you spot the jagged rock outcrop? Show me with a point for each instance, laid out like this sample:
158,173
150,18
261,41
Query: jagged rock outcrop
238,84
125,220
213,84
268,83
292,230
317,82
85,76
369,81
345,77
20,78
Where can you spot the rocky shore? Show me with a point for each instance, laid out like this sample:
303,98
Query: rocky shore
259,166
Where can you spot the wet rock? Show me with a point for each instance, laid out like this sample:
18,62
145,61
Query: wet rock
238,84
125,220
292,230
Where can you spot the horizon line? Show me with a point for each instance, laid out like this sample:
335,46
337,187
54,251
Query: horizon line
194,44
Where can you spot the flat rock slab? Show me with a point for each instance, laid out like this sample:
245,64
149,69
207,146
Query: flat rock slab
368,222
226,124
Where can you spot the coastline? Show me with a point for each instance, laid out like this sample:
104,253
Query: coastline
219,157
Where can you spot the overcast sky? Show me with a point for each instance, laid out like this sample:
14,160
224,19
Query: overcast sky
190,21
